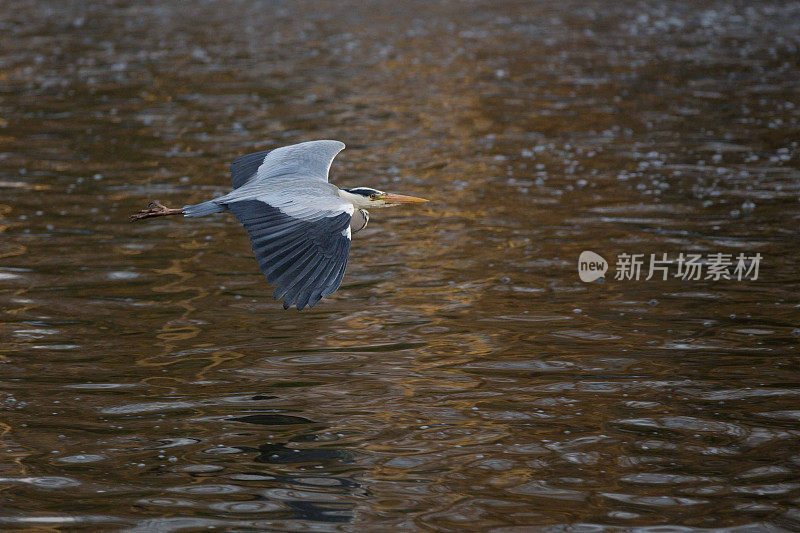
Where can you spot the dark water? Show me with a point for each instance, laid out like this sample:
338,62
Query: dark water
463,378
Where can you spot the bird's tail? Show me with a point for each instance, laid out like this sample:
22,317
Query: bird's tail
203,209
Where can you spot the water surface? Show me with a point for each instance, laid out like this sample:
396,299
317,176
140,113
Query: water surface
462,378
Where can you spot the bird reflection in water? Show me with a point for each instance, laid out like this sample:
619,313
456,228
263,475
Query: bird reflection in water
319,497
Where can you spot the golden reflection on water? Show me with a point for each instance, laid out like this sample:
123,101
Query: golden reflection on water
462,377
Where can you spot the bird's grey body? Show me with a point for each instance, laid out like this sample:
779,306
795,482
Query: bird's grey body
300,225
281,176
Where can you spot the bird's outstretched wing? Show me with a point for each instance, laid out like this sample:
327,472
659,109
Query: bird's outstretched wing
305,160
302,248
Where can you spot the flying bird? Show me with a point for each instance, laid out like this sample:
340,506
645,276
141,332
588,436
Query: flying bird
300,225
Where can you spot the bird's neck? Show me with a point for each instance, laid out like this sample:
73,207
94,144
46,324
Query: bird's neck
358,201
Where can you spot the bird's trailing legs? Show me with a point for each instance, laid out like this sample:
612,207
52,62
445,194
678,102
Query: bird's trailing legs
155,209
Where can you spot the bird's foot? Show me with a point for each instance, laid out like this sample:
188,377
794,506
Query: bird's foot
155,209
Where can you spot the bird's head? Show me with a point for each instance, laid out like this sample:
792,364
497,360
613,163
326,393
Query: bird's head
367,198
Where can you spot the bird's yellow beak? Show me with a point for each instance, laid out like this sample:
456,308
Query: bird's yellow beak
390,198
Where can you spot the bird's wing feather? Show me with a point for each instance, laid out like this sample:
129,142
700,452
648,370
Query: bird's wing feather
245,167
305,160
301,246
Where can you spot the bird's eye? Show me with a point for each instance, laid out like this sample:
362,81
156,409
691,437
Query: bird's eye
373,196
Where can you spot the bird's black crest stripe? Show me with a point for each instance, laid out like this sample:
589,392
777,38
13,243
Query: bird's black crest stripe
363,191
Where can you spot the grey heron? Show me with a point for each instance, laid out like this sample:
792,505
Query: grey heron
300,225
